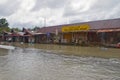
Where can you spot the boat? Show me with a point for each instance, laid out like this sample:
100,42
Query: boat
7,47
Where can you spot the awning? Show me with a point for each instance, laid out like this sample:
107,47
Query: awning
27,35
109,30
38,33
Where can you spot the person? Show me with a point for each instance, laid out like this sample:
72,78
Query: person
9,39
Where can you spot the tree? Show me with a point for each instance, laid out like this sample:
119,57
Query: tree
4,25
3,22
4,29
15,29
36,28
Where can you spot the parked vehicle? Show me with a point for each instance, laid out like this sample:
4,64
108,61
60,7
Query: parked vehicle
118,45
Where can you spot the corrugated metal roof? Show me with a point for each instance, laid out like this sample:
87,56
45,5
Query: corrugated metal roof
101,24
51,29
105,24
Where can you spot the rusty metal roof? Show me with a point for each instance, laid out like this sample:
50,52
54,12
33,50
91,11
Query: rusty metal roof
94,25
51,29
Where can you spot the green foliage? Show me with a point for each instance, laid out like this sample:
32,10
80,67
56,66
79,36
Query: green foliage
4,25
3,22
35,28
16,29
4,29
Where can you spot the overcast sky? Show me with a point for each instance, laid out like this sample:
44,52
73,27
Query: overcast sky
30,13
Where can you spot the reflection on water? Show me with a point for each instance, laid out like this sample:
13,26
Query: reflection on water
37,64
3,52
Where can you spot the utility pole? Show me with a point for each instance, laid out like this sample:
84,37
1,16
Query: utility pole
68,20
44,21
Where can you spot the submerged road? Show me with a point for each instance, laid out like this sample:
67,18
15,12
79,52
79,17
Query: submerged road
39,64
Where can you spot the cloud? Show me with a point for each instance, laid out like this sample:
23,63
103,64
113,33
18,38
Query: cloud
22,25
52,4
29,13
26,14
93,10
75,7
8,7
23,14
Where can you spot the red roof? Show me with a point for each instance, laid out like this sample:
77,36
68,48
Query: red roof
109,30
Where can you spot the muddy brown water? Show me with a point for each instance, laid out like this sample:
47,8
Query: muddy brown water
76,50
37,62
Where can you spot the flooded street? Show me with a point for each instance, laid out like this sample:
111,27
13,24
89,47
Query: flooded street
40,64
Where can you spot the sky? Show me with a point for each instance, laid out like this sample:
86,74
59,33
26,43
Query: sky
42,13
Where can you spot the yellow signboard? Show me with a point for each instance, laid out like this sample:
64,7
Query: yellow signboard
74,28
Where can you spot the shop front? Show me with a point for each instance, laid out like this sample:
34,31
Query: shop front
110,36
75,34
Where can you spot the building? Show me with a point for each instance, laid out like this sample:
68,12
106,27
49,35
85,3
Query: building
100,32
51,34
93,32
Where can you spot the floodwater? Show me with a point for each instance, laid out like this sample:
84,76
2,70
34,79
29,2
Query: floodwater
39,63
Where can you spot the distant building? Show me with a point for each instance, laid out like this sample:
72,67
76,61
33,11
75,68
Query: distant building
93,32
86,33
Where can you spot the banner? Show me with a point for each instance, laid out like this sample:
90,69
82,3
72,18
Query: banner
74,28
